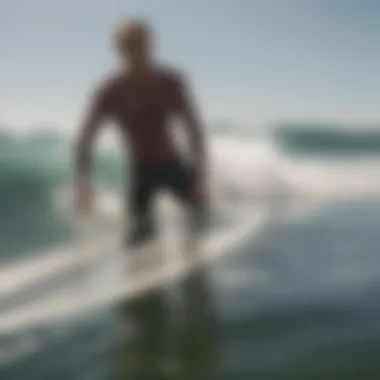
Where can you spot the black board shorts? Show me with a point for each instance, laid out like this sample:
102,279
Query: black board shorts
147,180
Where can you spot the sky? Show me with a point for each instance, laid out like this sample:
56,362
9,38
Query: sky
255,61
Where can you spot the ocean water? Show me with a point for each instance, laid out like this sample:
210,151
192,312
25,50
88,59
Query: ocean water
329,139
298,301
34,171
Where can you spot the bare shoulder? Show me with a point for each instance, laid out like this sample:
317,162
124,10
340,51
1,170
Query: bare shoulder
108,84
104,93
172,76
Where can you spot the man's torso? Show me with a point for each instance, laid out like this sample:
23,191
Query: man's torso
142,110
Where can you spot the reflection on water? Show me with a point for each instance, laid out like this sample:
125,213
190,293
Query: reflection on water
166,338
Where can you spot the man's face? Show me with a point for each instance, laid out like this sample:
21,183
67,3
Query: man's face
137,49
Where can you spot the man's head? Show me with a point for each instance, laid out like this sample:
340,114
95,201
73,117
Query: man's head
133,40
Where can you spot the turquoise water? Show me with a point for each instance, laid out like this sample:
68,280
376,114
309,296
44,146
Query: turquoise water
325,139
32,170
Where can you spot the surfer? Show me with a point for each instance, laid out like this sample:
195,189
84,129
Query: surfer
142,99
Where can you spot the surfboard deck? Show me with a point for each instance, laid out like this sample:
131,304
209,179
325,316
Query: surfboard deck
93,292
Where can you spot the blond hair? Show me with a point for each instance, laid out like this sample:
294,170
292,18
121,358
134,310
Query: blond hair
130,29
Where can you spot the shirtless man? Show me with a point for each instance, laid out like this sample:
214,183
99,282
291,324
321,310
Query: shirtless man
141,100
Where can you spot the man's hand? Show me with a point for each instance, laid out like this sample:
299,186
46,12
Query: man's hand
83,197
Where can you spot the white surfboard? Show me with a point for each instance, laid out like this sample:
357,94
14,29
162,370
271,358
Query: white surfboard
101,281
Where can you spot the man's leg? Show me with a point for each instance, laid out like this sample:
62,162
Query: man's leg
141,221
144,247
180,180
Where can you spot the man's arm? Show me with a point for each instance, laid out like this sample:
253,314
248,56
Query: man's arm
95,115
82,162
84,144
192,122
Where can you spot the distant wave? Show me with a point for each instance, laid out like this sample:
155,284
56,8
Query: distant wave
32,170
327,139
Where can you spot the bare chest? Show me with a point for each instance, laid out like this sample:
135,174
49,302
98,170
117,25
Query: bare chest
142,103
